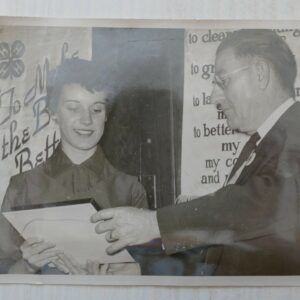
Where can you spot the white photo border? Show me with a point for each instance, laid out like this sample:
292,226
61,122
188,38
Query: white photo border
166,281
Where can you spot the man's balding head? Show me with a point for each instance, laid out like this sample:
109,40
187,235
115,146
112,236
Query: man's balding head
267,44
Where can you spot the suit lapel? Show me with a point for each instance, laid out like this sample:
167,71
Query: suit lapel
269,148
273,143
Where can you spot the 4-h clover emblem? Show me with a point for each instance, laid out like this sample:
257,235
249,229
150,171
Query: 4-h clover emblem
10,63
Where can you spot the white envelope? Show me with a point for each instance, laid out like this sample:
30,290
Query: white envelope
69,228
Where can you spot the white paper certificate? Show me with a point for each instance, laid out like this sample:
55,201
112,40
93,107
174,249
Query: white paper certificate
68,227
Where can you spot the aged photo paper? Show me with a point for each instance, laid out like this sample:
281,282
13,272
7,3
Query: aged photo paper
152,121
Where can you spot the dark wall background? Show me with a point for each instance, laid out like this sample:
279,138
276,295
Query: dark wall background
144,67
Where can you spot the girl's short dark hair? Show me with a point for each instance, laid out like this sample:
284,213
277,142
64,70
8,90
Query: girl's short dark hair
77,71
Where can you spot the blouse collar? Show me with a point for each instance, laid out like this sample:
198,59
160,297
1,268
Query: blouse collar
59,162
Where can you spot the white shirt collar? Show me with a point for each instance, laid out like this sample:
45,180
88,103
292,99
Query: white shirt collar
273,118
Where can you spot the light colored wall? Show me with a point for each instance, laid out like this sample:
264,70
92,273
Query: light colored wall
154,9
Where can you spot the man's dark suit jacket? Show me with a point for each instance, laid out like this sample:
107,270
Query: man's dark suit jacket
252,226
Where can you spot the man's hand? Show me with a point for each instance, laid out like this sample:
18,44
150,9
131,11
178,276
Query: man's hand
126,226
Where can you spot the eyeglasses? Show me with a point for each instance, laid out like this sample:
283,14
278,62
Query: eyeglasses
223,82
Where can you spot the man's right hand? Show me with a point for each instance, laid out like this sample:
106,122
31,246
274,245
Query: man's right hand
127,226
36,253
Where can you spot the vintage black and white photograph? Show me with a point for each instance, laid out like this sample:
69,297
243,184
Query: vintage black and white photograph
149,151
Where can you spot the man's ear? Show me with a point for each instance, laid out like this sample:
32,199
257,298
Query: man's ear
262,68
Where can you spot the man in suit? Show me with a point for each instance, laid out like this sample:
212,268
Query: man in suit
251,225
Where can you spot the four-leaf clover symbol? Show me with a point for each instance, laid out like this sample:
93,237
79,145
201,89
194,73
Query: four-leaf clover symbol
10,62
